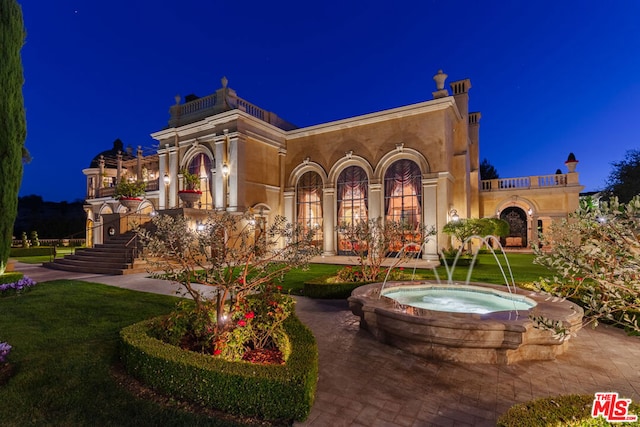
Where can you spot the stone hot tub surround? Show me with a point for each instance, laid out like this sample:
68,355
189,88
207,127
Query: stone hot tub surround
501,337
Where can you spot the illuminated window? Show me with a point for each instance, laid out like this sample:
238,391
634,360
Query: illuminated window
352,200
403,199
200,166
309,204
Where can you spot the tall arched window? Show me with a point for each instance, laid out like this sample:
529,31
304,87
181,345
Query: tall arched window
200,166
403,198
352,200
309,204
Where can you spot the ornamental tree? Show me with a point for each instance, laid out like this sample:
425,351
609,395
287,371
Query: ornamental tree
12,121
222,261
372,239
596,259
464,228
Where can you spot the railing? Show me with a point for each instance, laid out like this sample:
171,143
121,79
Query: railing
200,108
96,193
132,248
527,182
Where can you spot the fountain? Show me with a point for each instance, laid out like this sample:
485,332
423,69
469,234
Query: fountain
464,322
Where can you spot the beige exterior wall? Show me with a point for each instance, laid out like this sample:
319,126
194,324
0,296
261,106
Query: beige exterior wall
265,157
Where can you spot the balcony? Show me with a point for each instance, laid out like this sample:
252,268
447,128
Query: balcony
527,182
223,100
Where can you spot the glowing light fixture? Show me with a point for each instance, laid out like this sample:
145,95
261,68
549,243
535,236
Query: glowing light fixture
453,214
167,178
225,169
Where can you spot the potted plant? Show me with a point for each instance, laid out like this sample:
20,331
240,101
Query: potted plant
571,162
191,192
129,193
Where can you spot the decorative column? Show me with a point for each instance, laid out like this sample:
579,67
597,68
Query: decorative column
289,197
376,202
430,216
328,224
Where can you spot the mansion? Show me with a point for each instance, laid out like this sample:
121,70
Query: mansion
418,164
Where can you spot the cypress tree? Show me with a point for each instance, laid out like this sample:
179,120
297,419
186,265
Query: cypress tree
12,121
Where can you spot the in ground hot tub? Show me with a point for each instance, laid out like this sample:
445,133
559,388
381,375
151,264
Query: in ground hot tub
475,323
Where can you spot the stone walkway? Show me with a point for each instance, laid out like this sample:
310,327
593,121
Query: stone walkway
365,383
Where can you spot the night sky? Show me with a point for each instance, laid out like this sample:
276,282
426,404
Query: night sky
549,77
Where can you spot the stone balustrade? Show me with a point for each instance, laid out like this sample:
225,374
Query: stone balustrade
528,182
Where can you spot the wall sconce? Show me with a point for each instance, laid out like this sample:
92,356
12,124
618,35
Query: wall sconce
453,214
200,226
225,169
167,178
530,211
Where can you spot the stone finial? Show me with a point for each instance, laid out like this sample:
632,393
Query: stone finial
224,82
440,78
177,98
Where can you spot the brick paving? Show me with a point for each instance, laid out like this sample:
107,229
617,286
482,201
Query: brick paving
363,382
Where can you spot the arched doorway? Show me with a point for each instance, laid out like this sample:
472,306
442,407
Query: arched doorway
517,219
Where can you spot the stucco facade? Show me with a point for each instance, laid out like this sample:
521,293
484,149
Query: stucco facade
417,164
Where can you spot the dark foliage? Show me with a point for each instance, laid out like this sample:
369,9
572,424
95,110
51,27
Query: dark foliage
13,129
624,179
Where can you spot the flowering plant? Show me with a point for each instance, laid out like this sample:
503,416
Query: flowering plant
256,324
20,286
5,349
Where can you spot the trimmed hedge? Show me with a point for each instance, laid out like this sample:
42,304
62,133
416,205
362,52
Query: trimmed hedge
10,277
569,410
33,251
325,290
272,392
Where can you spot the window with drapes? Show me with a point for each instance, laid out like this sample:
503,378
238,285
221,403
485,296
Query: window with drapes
403,198
200,166
352,198
309,204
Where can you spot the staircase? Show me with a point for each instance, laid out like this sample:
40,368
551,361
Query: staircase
116,257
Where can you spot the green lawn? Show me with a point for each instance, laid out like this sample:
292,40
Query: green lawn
487,270
65,341
39,259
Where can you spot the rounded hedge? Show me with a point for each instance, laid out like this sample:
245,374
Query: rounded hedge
568,410
271,392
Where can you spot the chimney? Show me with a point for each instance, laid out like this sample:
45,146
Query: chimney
440,92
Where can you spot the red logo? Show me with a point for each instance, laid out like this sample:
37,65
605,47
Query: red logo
612,408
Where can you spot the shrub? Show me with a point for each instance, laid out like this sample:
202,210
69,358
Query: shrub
33,251
273,392
323,290
11,277
569,410
596,255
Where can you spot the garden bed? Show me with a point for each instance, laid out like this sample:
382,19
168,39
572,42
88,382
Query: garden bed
273,392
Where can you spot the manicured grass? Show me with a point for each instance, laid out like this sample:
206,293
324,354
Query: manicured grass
487,270
65,342
39,259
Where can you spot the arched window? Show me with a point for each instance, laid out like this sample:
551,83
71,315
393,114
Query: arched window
403,198
309,204
352,197
200,166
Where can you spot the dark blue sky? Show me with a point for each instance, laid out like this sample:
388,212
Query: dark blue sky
549,77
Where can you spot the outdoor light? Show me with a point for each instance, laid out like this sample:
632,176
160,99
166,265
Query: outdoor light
200,226
454,215
225,169
530,211
167,179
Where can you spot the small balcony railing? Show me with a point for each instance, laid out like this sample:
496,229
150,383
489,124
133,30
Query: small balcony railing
526,182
